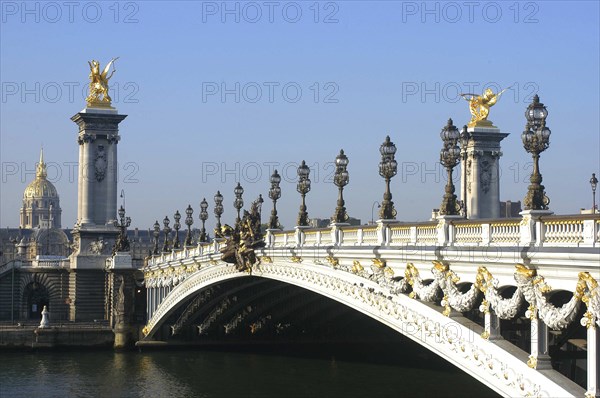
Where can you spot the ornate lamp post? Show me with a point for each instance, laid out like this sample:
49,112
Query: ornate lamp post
189,221
218,213
122,243
449,158
238,203
340,179
536,139
203,218
464,143
167,231
303,187
388,167
156,234
594,184
373,210
274,194
176,226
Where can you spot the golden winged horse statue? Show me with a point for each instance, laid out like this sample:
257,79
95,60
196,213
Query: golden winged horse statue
480,105
99,84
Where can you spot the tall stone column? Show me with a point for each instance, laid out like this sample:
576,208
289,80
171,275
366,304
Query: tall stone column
98,138
94,233
482,175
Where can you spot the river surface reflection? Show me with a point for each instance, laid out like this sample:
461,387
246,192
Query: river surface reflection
218,373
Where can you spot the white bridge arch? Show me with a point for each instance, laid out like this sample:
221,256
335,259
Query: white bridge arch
328,262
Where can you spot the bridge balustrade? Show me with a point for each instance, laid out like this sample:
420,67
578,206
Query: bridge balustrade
51,263
552,231
563,231
469,233
427,235
505,233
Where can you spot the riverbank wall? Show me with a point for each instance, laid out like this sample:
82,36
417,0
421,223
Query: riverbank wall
31,337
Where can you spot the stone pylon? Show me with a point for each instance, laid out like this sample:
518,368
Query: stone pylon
94,233
481,173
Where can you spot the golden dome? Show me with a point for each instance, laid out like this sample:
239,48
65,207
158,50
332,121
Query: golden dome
40,187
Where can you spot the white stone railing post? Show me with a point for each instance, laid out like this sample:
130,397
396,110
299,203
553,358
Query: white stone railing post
442,232
492,325
337,238
270,238
527,230
486,234
413,235
590,234
532,229
300,235
540,232
593,362
383,232
540,356
445,230
285,239
359,236
451,234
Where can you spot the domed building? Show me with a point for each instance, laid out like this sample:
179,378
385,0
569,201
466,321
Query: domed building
41,247
35,257
41,204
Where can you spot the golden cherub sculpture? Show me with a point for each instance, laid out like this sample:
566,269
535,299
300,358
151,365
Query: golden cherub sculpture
480,105
98,96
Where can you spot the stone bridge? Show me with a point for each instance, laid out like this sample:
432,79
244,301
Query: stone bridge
421,278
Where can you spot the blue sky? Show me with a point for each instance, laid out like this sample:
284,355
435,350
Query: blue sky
305,79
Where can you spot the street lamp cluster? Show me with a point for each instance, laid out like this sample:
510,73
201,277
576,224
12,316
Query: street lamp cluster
189,221
340,179
203,217
167,232
274,194
122,242
303,187
536,139
594,184
449,158
218,212
238,203
388,167
176,226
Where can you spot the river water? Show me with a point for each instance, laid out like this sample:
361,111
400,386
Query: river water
226,373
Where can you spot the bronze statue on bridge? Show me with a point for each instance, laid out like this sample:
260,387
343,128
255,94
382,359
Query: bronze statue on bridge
244,239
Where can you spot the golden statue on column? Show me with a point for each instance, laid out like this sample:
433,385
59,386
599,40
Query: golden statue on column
480,105
98,97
